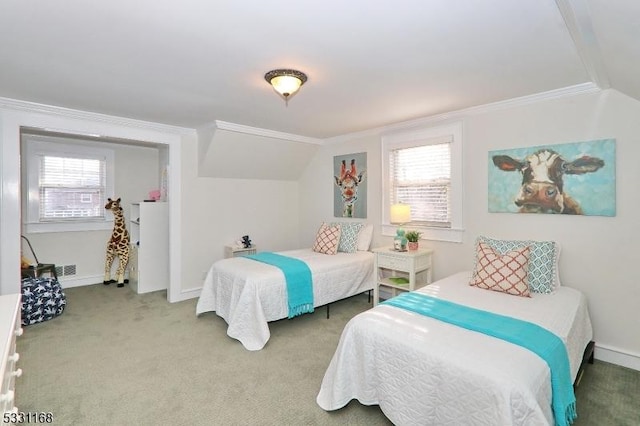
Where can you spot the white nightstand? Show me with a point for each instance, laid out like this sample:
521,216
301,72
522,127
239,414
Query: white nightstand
414,266
234,251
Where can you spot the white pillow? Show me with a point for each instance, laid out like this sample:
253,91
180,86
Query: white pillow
557,265
365,236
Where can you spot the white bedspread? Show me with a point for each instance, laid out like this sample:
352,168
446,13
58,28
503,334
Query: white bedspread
248,294
422,371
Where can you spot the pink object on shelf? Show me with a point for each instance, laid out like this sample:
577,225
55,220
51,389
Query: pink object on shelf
154,194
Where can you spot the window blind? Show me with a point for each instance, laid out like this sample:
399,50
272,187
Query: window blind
71,188
421,177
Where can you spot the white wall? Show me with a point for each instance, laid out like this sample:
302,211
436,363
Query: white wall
218,211
136,172
598,253
317,186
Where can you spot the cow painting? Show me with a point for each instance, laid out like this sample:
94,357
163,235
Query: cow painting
545,176
347,182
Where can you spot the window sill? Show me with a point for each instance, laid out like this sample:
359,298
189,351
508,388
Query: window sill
36,228
452,235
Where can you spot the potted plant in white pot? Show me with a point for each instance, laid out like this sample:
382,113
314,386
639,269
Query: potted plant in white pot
413,237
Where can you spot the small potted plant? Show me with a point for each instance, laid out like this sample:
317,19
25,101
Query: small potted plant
413,237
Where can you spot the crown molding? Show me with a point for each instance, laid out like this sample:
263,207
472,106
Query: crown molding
578,89
255,131
34,107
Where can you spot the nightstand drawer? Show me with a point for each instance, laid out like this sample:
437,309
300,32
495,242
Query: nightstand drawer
392,262
397,272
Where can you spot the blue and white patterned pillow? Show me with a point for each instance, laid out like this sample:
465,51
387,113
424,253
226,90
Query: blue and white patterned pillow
543,261
348,236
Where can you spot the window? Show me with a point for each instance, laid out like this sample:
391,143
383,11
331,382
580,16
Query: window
423,168
66,185
71,188
421,177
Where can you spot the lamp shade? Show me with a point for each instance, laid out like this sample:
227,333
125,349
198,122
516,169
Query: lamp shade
400,213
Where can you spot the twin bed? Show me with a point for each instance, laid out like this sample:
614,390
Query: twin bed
418,369
249,294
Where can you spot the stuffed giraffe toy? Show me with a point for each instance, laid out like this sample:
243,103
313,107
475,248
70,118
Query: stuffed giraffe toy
118,245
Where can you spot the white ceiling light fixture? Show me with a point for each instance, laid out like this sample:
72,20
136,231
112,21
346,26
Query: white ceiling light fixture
286,82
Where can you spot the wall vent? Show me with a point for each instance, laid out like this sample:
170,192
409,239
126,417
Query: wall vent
64,270
70,270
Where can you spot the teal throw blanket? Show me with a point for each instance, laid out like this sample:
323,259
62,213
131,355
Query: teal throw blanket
298,278
528,335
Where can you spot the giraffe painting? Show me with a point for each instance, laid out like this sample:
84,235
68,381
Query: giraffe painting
347,183
118,245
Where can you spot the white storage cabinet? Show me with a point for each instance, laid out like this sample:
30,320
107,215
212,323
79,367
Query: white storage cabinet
149,257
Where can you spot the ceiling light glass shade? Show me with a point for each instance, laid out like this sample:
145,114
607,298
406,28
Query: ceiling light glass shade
285,82
286,85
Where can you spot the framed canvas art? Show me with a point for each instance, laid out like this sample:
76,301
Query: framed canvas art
572,178
350,190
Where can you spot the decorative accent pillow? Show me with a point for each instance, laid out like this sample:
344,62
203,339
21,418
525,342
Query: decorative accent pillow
348,236
327,239
543,261
506,273
365,236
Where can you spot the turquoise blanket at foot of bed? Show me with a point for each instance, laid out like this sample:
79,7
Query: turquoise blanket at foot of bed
297,277
528,335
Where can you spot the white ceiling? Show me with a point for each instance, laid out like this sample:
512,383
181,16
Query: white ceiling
370,63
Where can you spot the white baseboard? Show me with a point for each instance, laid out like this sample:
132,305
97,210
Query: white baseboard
191,293
617,356
80,281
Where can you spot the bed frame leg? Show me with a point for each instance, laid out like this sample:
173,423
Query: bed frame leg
588,357
328,304
591,352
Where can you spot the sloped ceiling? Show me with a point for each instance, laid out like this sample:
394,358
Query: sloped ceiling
370,63
229,152
616,26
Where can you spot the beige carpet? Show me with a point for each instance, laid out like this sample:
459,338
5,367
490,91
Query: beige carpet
118,358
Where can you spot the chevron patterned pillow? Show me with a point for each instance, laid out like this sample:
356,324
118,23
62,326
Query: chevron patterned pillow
506,273
327,239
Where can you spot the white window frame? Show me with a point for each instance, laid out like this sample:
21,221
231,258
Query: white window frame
35,147
419,137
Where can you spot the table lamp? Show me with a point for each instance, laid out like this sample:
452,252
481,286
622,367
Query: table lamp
400,215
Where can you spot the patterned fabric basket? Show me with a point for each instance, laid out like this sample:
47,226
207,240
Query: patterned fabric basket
42,299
